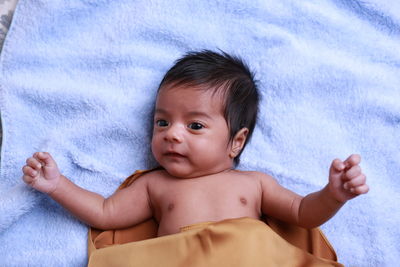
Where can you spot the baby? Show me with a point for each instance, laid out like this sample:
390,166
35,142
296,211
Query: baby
205,113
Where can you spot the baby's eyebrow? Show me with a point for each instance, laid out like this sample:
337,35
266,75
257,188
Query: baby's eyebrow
199,114
189,114
160,110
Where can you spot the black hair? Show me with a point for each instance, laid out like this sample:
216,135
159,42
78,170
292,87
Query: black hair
220,71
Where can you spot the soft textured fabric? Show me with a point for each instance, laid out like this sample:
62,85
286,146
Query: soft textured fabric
229,243
78,79
253,243
7,8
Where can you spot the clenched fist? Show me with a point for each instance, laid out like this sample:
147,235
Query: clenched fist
41,172
346,179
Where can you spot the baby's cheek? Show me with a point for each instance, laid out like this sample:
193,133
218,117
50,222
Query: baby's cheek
155,149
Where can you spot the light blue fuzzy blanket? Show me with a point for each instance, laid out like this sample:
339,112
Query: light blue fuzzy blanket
78,79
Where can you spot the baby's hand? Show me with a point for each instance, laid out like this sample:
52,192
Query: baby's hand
41,172
346,179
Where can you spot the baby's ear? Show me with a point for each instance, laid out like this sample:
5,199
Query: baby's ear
238,142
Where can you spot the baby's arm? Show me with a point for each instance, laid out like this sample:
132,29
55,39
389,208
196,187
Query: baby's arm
126,207
346,181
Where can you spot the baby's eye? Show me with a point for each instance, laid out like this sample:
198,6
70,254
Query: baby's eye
162,123
195,126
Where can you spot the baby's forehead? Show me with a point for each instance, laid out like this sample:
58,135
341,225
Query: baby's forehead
196,94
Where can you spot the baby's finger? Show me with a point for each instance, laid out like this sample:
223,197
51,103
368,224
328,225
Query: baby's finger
337,165
362,189
353,172
46,158
28,179
33,163
352,160
27,170
355,182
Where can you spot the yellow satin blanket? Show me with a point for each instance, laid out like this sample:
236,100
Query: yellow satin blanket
234,242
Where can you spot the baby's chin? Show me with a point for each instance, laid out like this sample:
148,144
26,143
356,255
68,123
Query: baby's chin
183,174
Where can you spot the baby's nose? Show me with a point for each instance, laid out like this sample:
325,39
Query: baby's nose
174,134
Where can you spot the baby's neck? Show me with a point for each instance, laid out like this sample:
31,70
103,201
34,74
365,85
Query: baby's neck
202,174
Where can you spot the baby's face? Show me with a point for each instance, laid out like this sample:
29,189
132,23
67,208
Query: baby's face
191,136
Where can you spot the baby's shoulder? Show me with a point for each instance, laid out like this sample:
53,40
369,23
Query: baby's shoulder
142,177
156,177
268,185
152,174
255,175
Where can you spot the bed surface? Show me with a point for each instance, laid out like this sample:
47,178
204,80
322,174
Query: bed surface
78,79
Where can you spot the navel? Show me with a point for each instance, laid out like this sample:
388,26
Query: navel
243,200
171,206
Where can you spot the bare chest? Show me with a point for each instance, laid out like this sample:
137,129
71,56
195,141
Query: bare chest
178,203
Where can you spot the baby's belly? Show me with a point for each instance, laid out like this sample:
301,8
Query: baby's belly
174,224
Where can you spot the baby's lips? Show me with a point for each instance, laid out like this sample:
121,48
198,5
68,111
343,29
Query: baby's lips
173,154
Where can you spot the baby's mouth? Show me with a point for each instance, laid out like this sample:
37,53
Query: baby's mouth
174,155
